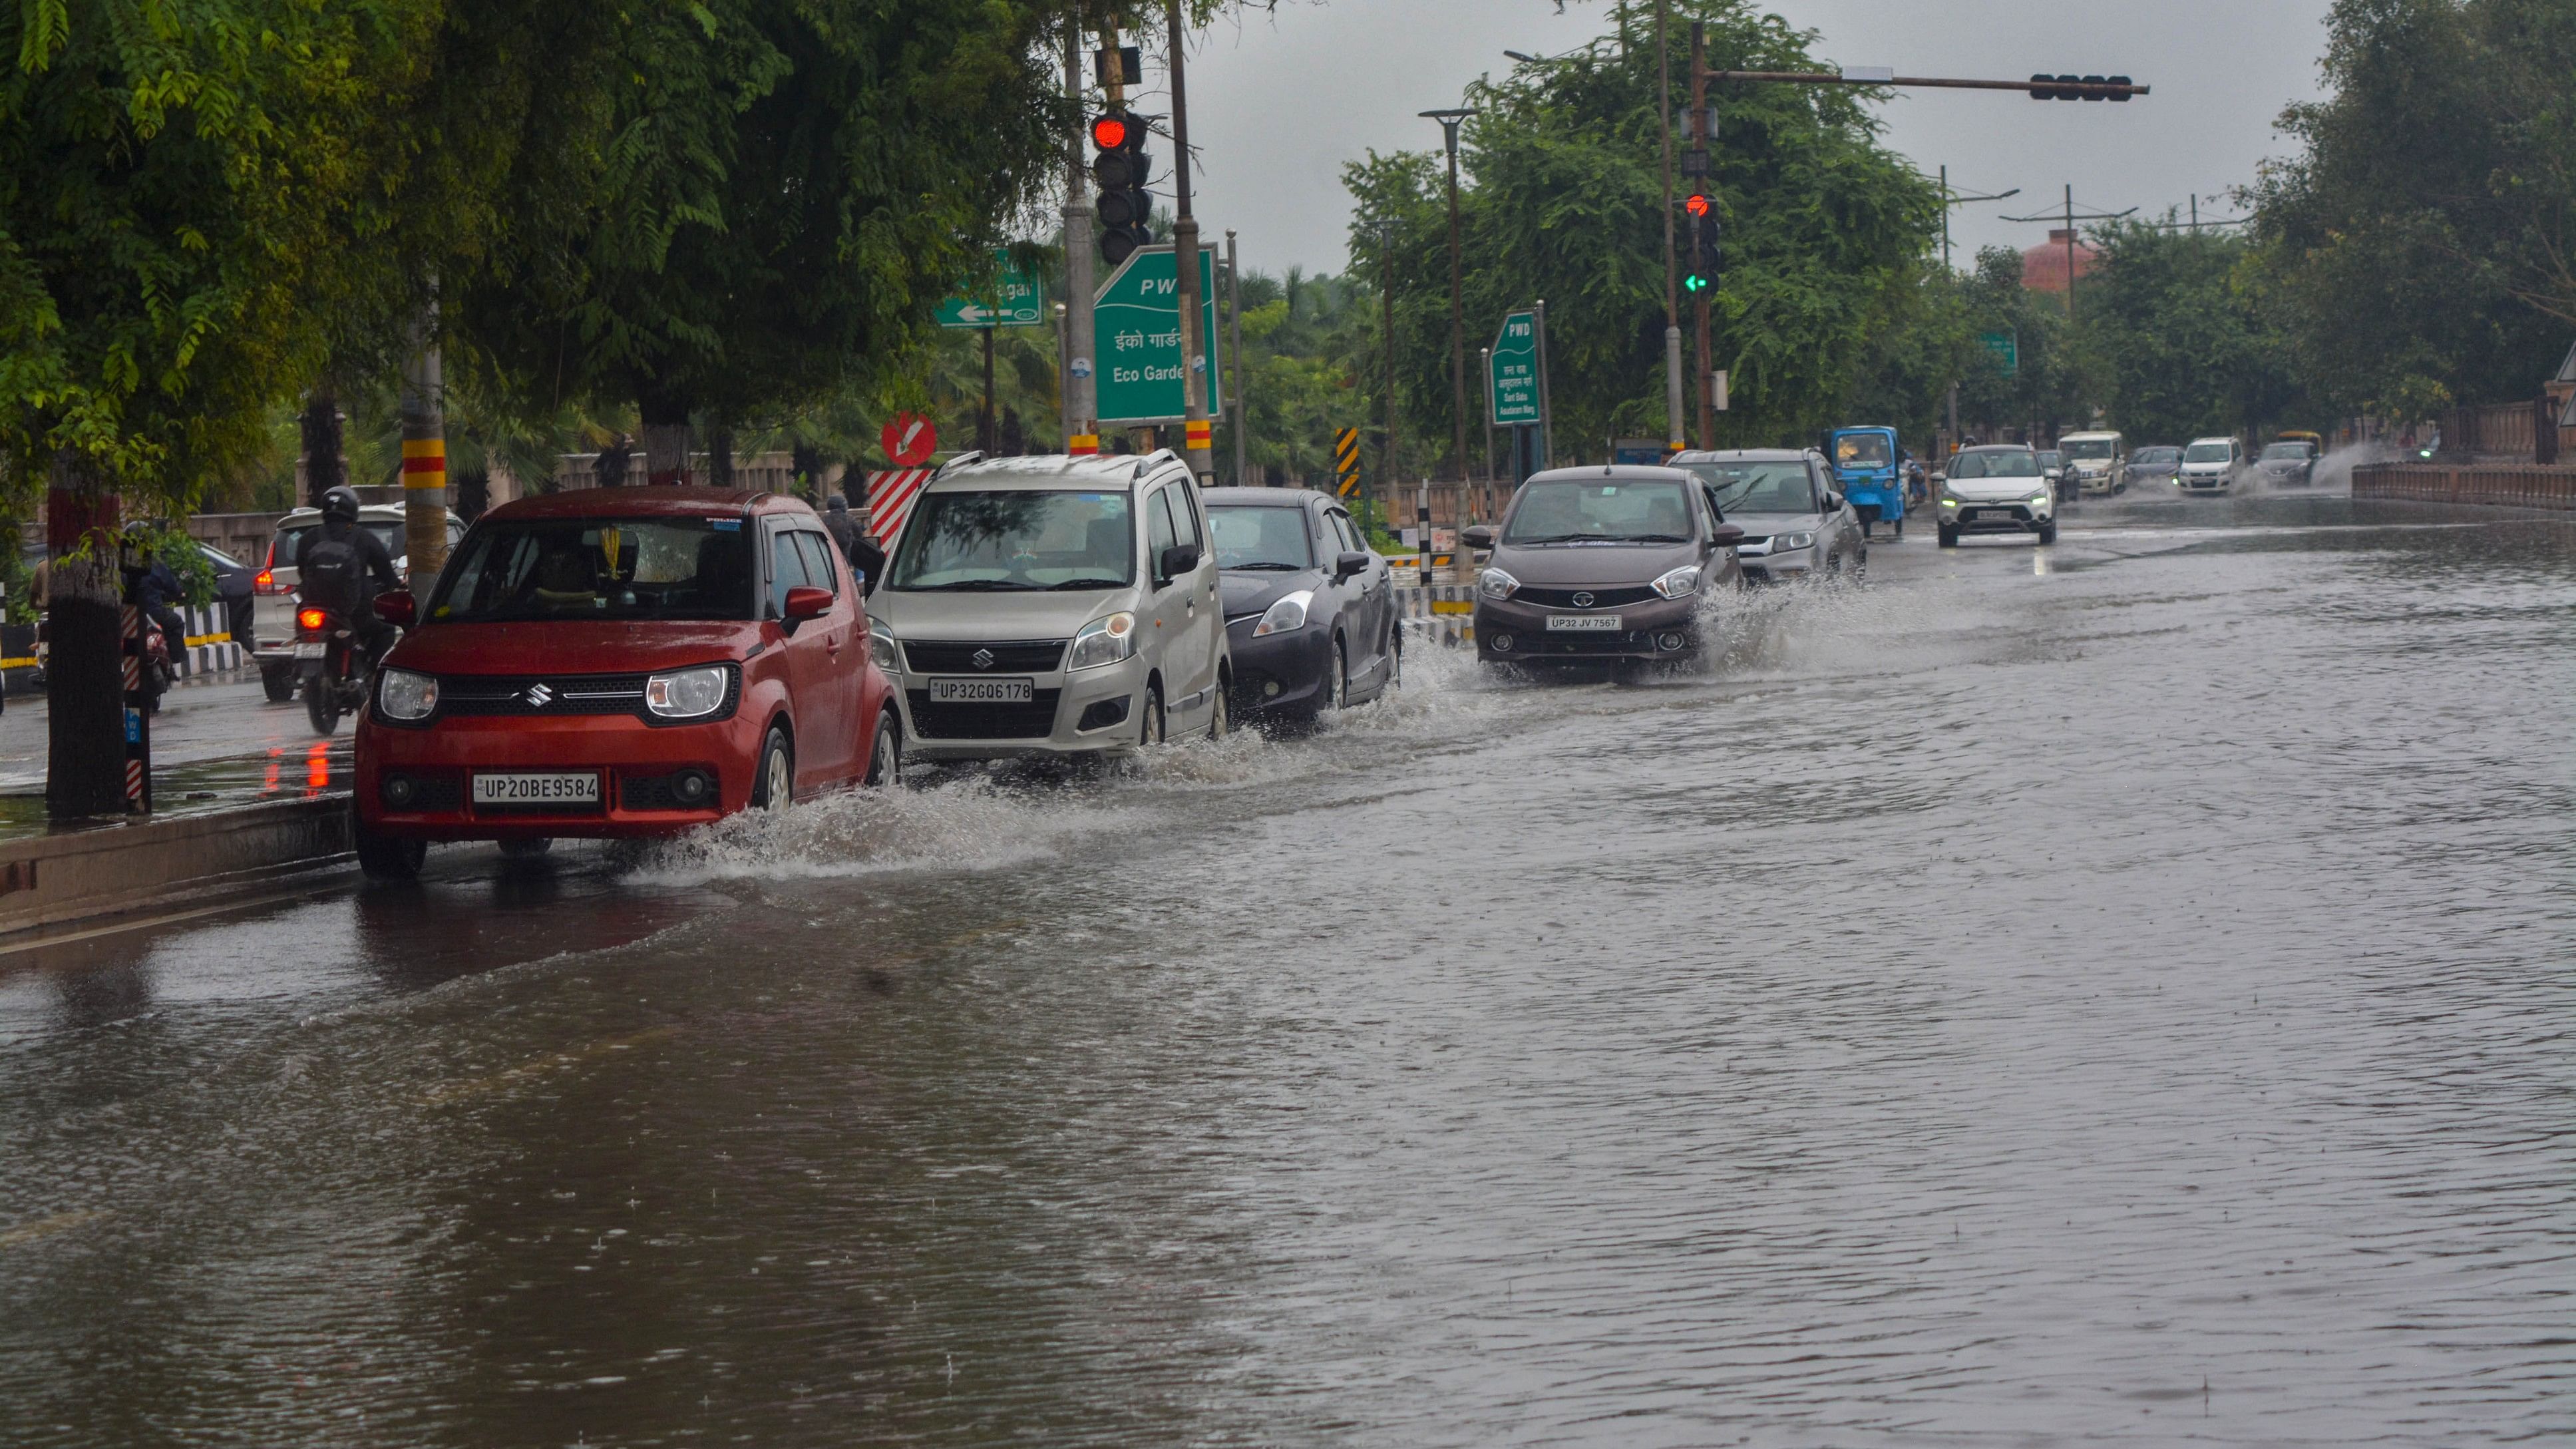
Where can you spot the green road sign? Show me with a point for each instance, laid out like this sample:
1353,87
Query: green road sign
2006,346
1018,301
1511,378
1136,324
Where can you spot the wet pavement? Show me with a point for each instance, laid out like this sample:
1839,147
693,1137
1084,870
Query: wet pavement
2120,990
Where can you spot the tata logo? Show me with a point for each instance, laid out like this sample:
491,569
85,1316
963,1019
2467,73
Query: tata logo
538,696
1582,600
983,658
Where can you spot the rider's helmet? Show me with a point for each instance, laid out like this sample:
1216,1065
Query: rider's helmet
340,505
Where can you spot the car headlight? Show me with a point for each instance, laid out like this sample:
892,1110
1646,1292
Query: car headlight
1105,640
1287,616
882,649
1680,583
688,693
2037,499
1495,584
1784,541
402,694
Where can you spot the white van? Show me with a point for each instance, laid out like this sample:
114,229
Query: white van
1053,605
2099,461
2210,465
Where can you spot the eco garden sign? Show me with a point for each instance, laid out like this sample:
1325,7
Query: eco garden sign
1137,326
1017,300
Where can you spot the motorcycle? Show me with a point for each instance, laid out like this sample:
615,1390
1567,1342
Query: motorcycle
335,673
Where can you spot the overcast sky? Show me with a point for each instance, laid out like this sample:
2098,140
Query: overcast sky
1278,103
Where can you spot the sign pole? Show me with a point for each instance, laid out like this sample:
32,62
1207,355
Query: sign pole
1081,434
1546,420
1185,249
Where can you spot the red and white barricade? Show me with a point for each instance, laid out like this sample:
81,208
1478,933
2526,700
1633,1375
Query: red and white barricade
890,498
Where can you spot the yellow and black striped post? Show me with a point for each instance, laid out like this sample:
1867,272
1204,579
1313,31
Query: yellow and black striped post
1346,461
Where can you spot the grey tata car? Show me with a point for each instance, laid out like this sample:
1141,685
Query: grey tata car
1053,605
1795,524
1607,564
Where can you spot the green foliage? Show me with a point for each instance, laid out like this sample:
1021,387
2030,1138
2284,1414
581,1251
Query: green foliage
1562,199
1306,346
2184,349
2422,249
2047,388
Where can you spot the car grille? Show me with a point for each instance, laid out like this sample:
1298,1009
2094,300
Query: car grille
1750,544
1010,656
1557,646
1976,512
1564,598
1032,721
532,694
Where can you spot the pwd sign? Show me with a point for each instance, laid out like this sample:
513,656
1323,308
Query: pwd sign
1511,379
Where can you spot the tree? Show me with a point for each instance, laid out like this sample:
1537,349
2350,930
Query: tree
2422,248
2182,346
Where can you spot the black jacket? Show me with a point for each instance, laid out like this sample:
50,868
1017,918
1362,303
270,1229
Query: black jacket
372,557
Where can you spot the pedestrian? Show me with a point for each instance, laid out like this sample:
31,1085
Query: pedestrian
863,554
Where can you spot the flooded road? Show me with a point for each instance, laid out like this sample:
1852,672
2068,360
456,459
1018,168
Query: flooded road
2116,991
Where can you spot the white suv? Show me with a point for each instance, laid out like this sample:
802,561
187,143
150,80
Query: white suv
2210,465
1053,605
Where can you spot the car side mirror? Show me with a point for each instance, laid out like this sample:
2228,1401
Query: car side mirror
1727,535
1179,559
804,602
1480,536
396,607
1349,564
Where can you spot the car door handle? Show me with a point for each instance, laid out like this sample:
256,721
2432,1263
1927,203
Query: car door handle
831,643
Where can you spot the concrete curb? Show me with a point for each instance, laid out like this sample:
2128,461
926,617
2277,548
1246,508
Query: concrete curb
79,875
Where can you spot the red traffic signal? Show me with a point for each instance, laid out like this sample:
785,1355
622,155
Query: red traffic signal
1697,205
1109,132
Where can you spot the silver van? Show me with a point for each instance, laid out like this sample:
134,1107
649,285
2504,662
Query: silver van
1053,605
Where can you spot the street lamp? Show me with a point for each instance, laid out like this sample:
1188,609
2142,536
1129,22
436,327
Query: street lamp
1449,121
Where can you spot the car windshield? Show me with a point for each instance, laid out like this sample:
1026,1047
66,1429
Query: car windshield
1256,536
1613,512
2155,455
2013,463
2052,459
1861,450
1773,487
2205,453
2090,450
1016,539
598,568
2286,452
292,534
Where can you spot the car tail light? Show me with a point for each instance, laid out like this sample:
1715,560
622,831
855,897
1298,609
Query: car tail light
265,581
311,621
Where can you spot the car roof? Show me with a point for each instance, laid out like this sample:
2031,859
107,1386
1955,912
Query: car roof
1261,497
1740,455
380,512
1106,472
2196,442
2000,448
1628,472
2096,433
655,501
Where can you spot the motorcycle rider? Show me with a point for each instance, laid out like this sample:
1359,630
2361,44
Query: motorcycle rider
154,588
855,546
342,567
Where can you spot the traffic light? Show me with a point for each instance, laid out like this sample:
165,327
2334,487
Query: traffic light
1699,258
2045,87
1122,168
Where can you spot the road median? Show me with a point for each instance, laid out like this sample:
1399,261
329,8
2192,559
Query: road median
72,876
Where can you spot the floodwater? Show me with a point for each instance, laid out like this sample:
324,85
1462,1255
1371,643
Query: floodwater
2121,990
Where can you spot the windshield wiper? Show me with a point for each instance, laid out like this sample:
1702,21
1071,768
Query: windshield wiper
1087,584
1567,538
970,586
1659,538
1267,564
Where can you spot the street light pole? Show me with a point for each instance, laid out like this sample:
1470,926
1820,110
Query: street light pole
1081,434
1234,348
1386,317
1673,440
1185,259
1699,304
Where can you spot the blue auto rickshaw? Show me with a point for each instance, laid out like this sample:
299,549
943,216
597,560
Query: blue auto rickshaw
1870,469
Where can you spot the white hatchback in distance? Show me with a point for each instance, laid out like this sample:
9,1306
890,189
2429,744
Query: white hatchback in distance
2210,465
1053,605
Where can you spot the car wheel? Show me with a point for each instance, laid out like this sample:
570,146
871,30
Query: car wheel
319,706
383,857
1150,733
527,847
1394,657
1220,714
1337,679
1860,567
277,684
885,757
774,788
1949,535
2048,531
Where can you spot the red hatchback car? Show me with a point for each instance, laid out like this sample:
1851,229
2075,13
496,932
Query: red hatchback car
620,662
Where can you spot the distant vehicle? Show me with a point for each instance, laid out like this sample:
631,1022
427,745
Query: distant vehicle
1310,615
1866,468
620,662
2210,465
1783,499
2052,466
1998,488
2153,465
2301,435
2288,464
277,578
1604,565
2096,461
1055,606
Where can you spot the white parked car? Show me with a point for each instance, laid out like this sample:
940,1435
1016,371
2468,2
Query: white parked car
1053,605
2210,465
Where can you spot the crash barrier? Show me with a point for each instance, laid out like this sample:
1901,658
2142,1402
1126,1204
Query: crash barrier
2498,485
223,855
1442,613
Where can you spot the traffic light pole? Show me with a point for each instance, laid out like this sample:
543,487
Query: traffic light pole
1449,121
1699,301
1673,441
1081,434
1185,257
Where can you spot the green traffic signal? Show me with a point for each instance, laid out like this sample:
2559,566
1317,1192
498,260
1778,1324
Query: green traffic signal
1694,283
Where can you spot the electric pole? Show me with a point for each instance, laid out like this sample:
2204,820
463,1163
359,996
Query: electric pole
1081,433
1185,259
1449,121
1950,198
1673,440
2067,217
1234,349
1386,318
1701,143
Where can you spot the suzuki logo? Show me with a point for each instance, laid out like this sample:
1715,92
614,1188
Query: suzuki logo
539,696
983,658
1582,600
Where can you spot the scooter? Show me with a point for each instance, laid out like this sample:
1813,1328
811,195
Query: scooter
335,673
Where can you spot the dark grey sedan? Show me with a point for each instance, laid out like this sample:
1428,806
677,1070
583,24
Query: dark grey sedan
1310,614
1795,524
1610,564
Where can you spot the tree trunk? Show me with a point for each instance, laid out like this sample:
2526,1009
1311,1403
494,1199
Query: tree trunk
720,457
613,461
85,667
666,439
325,467
806,462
